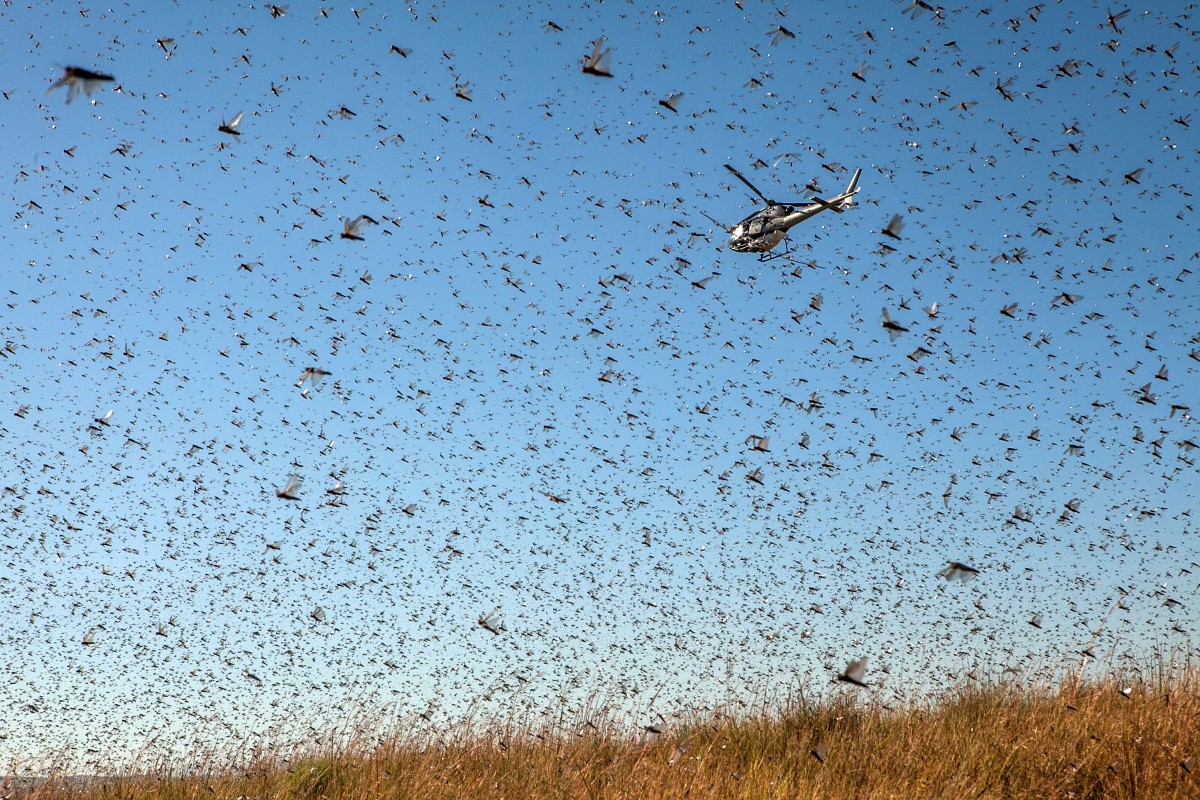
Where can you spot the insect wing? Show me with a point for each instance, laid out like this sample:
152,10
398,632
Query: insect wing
292,490
855,672
78,79
492,621
600,61
672,102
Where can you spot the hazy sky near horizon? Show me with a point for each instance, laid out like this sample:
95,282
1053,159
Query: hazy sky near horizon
525,321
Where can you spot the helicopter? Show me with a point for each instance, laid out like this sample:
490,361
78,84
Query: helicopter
767,227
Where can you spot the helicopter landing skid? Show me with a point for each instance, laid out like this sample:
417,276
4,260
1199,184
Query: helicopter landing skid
772,255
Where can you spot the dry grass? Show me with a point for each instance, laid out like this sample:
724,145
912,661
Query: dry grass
1076,741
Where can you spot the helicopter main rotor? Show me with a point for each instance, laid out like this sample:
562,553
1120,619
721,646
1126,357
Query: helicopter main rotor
757,193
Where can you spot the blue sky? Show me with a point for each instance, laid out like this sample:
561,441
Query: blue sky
529,240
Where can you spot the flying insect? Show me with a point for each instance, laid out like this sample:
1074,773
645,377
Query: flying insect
492,622
855,673
231,127
599,62
764,229
292,490
78,79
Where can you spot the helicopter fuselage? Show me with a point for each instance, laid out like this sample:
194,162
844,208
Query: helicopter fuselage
766,228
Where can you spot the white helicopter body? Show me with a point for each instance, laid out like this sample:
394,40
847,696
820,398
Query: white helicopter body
764,229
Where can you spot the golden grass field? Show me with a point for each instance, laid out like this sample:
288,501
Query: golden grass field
1108,739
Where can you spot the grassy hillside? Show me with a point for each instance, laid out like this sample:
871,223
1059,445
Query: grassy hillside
1119,739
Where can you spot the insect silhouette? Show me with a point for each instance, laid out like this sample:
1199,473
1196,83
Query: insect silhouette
492,621
352,229
956,571
894,226
313,375
292,490
893,328
78,79
600,61
672,102
855,672
231,127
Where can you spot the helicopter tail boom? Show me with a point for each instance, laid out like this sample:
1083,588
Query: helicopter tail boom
843,200
852,189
